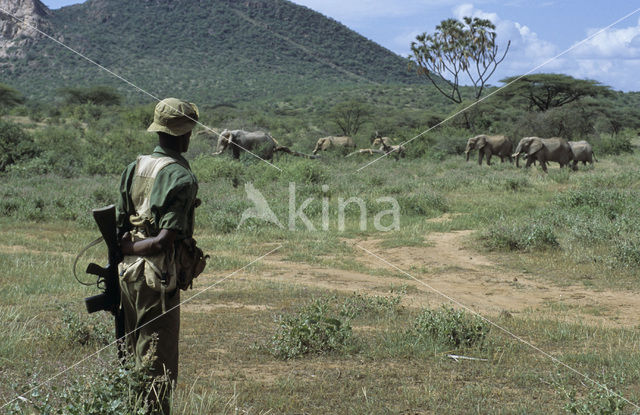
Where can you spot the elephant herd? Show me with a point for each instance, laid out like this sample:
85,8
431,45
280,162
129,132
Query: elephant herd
265,146
533,149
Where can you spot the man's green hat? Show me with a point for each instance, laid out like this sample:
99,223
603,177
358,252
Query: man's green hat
174,117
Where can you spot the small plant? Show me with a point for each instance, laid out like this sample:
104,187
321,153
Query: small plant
598,401
313,330
83,330
361,304
113,389
452,327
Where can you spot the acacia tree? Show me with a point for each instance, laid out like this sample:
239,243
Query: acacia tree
458,49
545,91
350,115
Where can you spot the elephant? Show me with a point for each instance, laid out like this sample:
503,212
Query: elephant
257,142
325,143
488,145
544,150
385,145
582,151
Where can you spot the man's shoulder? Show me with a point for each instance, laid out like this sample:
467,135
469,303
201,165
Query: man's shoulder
177,173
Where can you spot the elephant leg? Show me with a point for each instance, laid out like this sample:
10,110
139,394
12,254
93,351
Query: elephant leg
488,158
544,165
529,161
480,156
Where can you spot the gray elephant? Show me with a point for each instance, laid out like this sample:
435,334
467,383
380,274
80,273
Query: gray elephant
544,150
343,142
488,145
257,142
582,151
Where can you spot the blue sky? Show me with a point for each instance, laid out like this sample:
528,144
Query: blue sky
538,31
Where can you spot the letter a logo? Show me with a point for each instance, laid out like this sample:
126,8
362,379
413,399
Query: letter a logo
260,209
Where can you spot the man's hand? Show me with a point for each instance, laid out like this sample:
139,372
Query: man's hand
148,246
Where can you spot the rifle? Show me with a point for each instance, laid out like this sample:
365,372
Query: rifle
108,281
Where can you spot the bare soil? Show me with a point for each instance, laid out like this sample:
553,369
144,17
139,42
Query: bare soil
446,271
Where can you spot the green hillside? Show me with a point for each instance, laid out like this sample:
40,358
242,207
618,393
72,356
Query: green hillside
208,50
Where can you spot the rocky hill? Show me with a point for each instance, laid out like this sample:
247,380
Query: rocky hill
15,38
210,50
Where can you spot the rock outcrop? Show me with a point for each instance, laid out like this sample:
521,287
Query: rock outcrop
14,35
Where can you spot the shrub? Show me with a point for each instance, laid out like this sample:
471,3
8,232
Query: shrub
614,145
424,203
361,304
515,237
15,144
451,327
312,330
112,389
84,330
208,168
304,172
626,252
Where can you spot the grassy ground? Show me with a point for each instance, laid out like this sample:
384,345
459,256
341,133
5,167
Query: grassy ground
563,231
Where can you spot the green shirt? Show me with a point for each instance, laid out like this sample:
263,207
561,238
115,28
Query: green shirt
172,197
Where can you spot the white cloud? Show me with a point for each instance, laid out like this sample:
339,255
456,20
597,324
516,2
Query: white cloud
527,50
613,43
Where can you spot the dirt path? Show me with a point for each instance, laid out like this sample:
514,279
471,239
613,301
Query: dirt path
468,277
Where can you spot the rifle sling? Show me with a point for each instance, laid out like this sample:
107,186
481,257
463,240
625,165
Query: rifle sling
75,262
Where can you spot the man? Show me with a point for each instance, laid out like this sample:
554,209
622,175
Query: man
156,211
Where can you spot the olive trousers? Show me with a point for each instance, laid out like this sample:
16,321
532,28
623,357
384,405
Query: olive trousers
143,319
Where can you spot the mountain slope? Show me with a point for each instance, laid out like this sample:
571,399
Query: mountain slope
208,50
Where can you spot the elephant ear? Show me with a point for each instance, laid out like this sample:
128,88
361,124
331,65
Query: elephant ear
481,142
536,145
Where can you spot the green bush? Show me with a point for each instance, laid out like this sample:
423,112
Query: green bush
614,145
425,203
15,145
598,400
313,330
305,172
112,388
86,329
626,251
521,237
361,304
454,328
207,169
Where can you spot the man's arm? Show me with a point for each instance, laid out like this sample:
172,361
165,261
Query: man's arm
148,246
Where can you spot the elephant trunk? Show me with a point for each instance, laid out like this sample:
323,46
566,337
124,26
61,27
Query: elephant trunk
516,154
517,157
467,153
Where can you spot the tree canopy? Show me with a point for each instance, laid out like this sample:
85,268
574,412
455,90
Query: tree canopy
98,95
458,49
350,115
9,97
545,91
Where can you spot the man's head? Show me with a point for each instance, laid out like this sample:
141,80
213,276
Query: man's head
173,120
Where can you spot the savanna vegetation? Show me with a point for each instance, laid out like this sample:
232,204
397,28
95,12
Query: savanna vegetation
280,336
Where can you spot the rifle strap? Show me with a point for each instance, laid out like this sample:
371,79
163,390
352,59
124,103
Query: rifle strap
75,262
